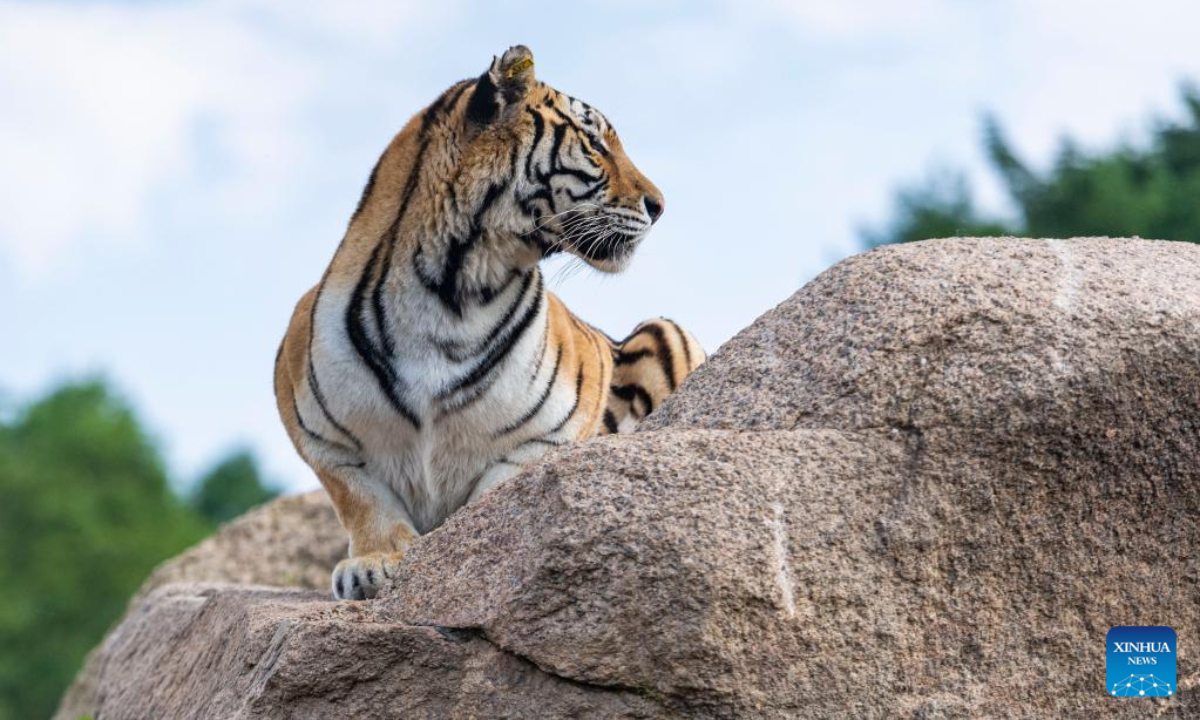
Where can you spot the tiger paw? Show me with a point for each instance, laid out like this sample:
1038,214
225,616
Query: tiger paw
360,578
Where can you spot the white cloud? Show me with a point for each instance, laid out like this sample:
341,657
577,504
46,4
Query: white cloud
863,22
1093,71
106,106
378,24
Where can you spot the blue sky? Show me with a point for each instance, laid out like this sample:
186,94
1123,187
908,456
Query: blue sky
175,175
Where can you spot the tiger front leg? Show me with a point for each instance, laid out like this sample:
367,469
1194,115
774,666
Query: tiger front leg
380,530
361,577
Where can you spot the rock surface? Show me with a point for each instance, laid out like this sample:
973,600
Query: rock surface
291,542
969,334
925,486
263,652
691,566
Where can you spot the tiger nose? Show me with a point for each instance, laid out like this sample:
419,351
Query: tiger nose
654,207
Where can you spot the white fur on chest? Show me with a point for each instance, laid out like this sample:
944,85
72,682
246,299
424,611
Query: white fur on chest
432,468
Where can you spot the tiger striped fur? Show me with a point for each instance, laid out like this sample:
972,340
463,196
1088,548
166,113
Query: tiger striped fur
430,364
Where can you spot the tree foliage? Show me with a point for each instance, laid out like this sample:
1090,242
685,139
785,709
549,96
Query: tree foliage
230,488
1148,191
86,511
939,207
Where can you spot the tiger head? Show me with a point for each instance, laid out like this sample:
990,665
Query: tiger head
567,183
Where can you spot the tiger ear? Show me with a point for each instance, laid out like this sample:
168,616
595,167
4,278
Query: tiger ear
503,86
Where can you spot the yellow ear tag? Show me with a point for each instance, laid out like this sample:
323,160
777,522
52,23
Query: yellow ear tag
519,67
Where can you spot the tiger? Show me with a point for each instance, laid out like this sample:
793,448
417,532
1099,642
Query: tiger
430,364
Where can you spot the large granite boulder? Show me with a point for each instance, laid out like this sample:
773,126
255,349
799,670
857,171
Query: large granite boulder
225,651
705,569
925,486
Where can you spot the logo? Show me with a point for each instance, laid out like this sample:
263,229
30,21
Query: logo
1140,661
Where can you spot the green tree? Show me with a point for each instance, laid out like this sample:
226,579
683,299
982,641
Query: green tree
231,488
87,512
941,206
1147,191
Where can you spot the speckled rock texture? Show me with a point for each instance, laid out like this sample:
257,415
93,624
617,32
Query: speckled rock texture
290,542
990,336
222,651
925,486
692,566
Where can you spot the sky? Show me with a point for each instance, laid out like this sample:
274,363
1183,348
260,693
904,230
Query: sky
176,174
